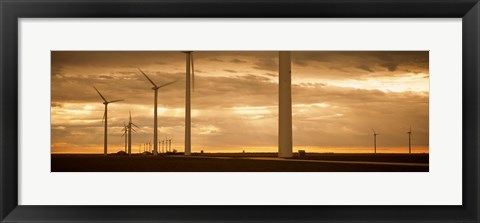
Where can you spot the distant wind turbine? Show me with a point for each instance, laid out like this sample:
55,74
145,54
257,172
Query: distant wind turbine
155,88
410,140
105,117
130,128
163,144
125,133
189,71
375,141
160,148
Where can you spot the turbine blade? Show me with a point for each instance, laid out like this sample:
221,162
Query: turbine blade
100,94
147,77
115,101
103,118
164,85
133,130
123,135
193,72
135,125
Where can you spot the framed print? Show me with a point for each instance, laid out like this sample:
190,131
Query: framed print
289,111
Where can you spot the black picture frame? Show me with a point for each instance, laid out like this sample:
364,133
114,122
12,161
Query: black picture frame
11,11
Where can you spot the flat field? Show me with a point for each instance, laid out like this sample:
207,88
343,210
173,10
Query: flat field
240,162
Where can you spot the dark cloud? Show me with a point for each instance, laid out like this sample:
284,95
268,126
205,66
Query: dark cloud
57,104
237,61
364,67
353,64
391,66
269,64
215,59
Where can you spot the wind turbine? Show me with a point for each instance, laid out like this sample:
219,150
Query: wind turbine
162,144
165,142
130,128
410,140
125,133
188,86
375,141
170,143
105,116
155,88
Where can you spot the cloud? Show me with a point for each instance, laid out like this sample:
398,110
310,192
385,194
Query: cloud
360,64
364,67
268,64
235,60
215,59
57,105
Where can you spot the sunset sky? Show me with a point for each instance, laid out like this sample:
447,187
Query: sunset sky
338,97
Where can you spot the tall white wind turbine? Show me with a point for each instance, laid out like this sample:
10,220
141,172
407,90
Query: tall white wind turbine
155,88
285,141
190,75
105,116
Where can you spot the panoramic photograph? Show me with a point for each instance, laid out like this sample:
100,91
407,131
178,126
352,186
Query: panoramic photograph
240,111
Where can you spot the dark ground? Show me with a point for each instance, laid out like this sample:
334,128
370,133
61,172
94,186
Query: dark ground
233,162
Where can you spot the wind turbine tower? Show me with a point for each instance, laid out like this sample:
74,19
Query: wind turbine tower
410,140
375,141
155,88
285,143
105,116
188,87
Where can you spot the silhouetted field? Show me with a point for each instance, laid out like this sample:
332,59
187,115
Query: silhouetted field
379,157
237,162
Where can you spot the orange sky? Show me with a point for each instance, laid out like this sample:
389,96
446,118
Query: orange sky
338,97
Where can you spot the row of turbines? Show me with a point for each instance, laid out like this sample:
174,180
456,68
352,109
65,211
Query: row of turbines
164,146
285,147
128,128
375,134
